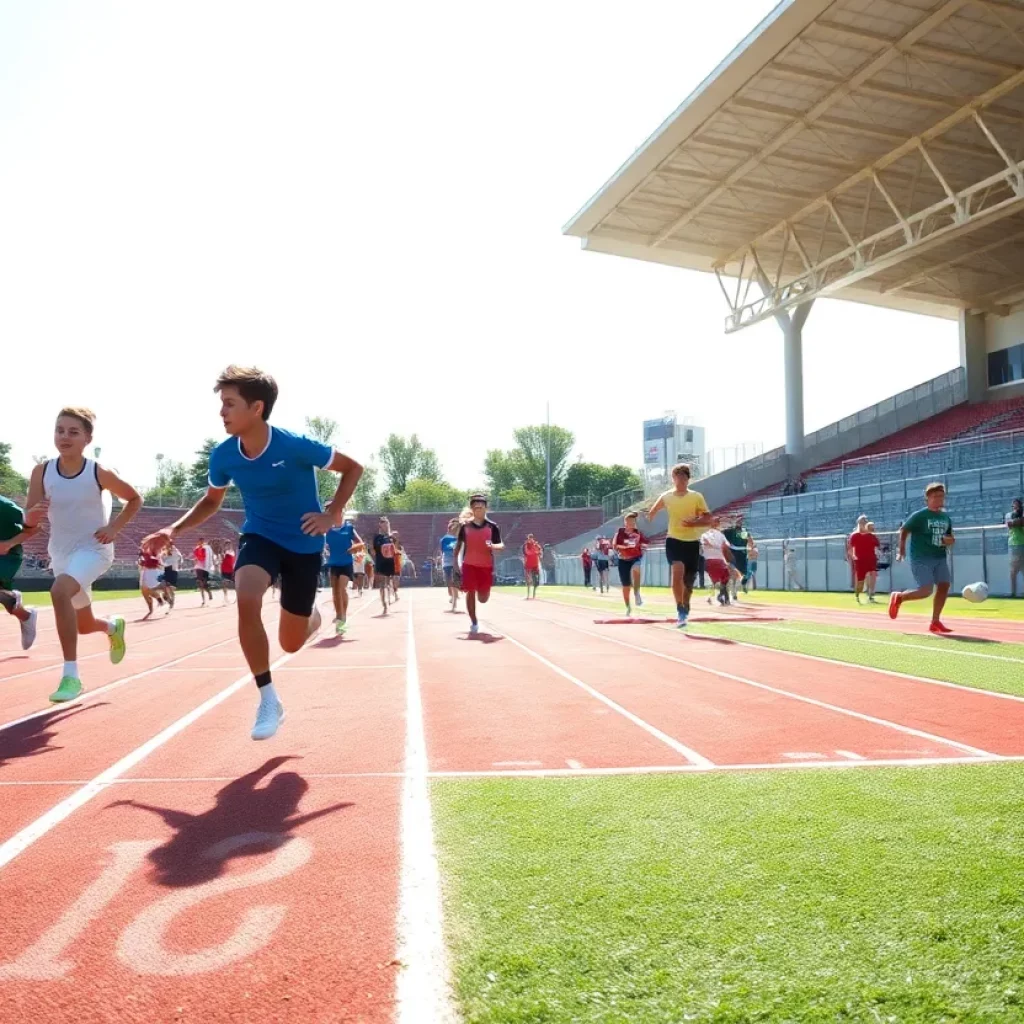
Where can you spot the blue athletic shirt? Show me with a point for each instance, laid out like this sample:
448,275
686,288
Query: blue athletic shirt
339,540
448,543
278,487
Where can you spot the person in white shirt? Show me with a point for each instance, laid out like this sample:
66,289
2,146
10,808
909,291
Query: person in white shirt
171,561
717,559
203,557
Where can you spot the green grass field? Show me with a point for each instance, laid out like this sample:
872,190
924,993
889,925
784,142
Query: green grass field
41,598
856,896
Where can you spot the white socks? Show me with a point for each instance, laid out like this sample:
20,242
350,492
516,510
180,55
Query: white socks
71,669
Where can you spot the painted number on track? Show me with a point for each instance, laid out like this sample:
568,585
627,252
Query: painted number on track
142,946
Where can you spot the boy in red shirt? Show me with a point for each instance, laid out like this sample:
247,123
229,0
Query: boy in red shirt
478,539
532,552
630,543
227,570
862,550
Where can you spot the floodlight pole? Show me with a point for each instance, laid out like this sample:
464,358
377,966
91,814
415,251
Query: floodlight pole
547,457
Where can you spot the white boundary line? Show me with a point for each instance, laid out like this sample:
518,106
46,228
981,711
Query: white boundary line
908,730
422,991
820,658
687,752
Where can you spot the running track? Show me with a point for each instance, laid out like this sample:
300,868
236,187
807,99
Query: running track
157,865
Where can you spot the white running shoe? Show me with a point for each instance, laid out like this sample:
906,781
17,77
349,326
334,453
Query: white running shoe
268,719
474,628
28,629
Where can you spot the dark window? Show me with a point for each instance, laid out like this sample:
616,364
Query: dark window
1006,365
689,437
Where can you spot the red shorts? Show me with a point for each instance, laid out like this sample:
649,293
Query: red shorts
862,568
717,569
476,579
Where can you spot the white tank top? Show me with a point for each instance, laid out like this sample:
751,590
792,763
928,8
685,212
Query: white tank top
78,508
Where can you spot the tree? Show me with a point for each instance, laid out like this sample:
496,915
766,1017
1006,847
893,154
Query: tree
500,471
525,465
199,471
589,479
11,481
404,460
427,495
323,429
171,486
428,466
366,489
518,496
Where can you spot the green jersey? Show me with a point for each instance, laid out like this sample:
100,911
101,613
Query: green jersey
926,529
1015,536
12,522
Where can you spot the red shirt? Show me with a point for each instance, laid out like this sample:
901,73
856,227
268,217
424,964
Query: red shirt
227,563
531,554
475,539
149,561
864,547
587,559
604,547
635,542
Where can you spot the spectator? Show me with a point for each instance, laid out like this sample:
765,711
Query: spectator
588,567
1015,542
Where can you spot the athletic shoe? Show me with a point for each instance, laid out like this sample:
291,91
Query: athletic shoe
268,718
682,619
117,647
938,627
69,689
474,628
639,601
872,600
895,600
28,629
339,628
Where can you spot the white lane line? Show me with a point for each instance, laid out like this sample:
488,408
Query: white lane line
422,987
21,841
906,729
331,669
850,755
688,753
575,765
517,764
809,756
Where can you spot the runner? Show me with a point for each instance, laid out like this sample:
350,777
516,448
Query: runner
399,562
283,533
13,533
862,551
342,545
149,581
384,560
368,568
448,567
171,561
532,552
73,492
1015,542
751,566
738,539
202,555
227,570
718,557
603,547
359,568
931,536
688,515
630,544
588,567
477,541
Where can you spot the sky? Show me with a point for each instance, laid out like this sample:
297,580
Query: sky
367,201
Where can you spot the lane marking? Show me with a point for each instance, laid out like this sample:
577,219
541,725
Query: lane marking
686,752
906,729
517,764
329,669
824,660
809,756
851,755
422,987
575,765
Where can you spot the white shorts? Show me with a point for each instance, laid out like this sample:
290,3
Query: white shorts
150,578
85,566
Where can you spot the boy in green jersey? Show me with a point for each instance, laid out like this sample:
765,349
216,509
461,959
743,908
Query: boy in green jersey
12,532
931,536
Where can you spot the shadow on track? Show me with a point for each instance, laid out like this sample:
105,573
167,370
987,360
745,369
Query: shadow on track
240,808
27,739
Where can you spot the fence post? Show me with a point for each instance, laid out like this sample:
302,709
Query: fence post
984,555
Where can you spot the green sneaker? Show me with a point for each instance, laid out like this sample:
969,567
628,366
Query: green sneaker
69,689
339,628
117,648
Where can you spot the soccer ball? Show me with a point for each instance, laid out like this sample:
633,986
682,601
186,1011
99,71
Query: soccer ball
975,592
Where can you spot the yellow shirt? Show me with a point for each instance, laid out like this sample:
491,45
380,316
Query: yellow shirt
684,506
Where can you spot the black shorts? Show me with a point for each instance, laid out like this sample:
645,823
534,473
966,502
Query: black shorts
228,577
341,570
602,565
299,573
739,560
685,551
384,567
626,570
170,577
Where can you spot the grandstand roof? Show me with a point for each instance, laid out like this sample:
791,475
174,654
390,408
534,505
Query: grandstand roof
871,148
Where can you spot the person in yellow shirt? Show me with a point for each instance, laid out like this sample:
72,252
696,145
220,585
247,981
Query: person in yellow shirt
688,517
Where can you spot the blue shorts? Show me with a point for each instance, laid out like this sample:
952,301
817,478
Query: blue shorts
928,572
449,572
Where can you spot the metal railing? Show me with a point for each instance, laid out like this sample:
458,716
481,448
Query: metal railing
981,553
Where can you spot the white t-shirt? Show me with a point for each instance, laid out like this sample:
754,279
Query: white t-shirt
713,545
206,562
172,560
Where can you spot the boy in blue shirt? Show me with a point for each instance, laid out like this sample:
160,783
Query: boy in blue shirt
448,542
283,533
342,544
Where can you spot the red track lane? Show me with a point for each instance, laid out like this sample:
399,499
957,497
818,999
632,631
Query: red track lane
174,869
490,706
966,716
726,721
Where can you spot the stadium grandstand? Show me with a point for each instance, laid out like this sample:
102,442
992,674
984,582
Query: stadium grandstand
870,152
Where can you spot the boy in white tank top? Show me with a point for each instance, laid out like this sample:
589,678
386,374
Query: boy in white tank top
73,493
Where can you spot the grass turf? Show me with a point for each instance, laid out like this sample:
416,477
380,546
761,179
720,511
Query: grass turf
661,597
862,895
41,598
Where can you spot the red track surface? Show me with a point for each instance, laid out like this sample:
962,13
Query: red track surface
217,879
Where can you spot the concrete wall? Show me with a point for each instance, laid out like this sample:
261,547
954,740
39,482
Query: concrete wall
983,333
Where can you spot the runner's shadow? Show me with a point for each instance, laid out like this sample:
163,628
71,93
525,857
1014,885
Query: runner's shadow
482,638
971,640
27,739
334,641
240,809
